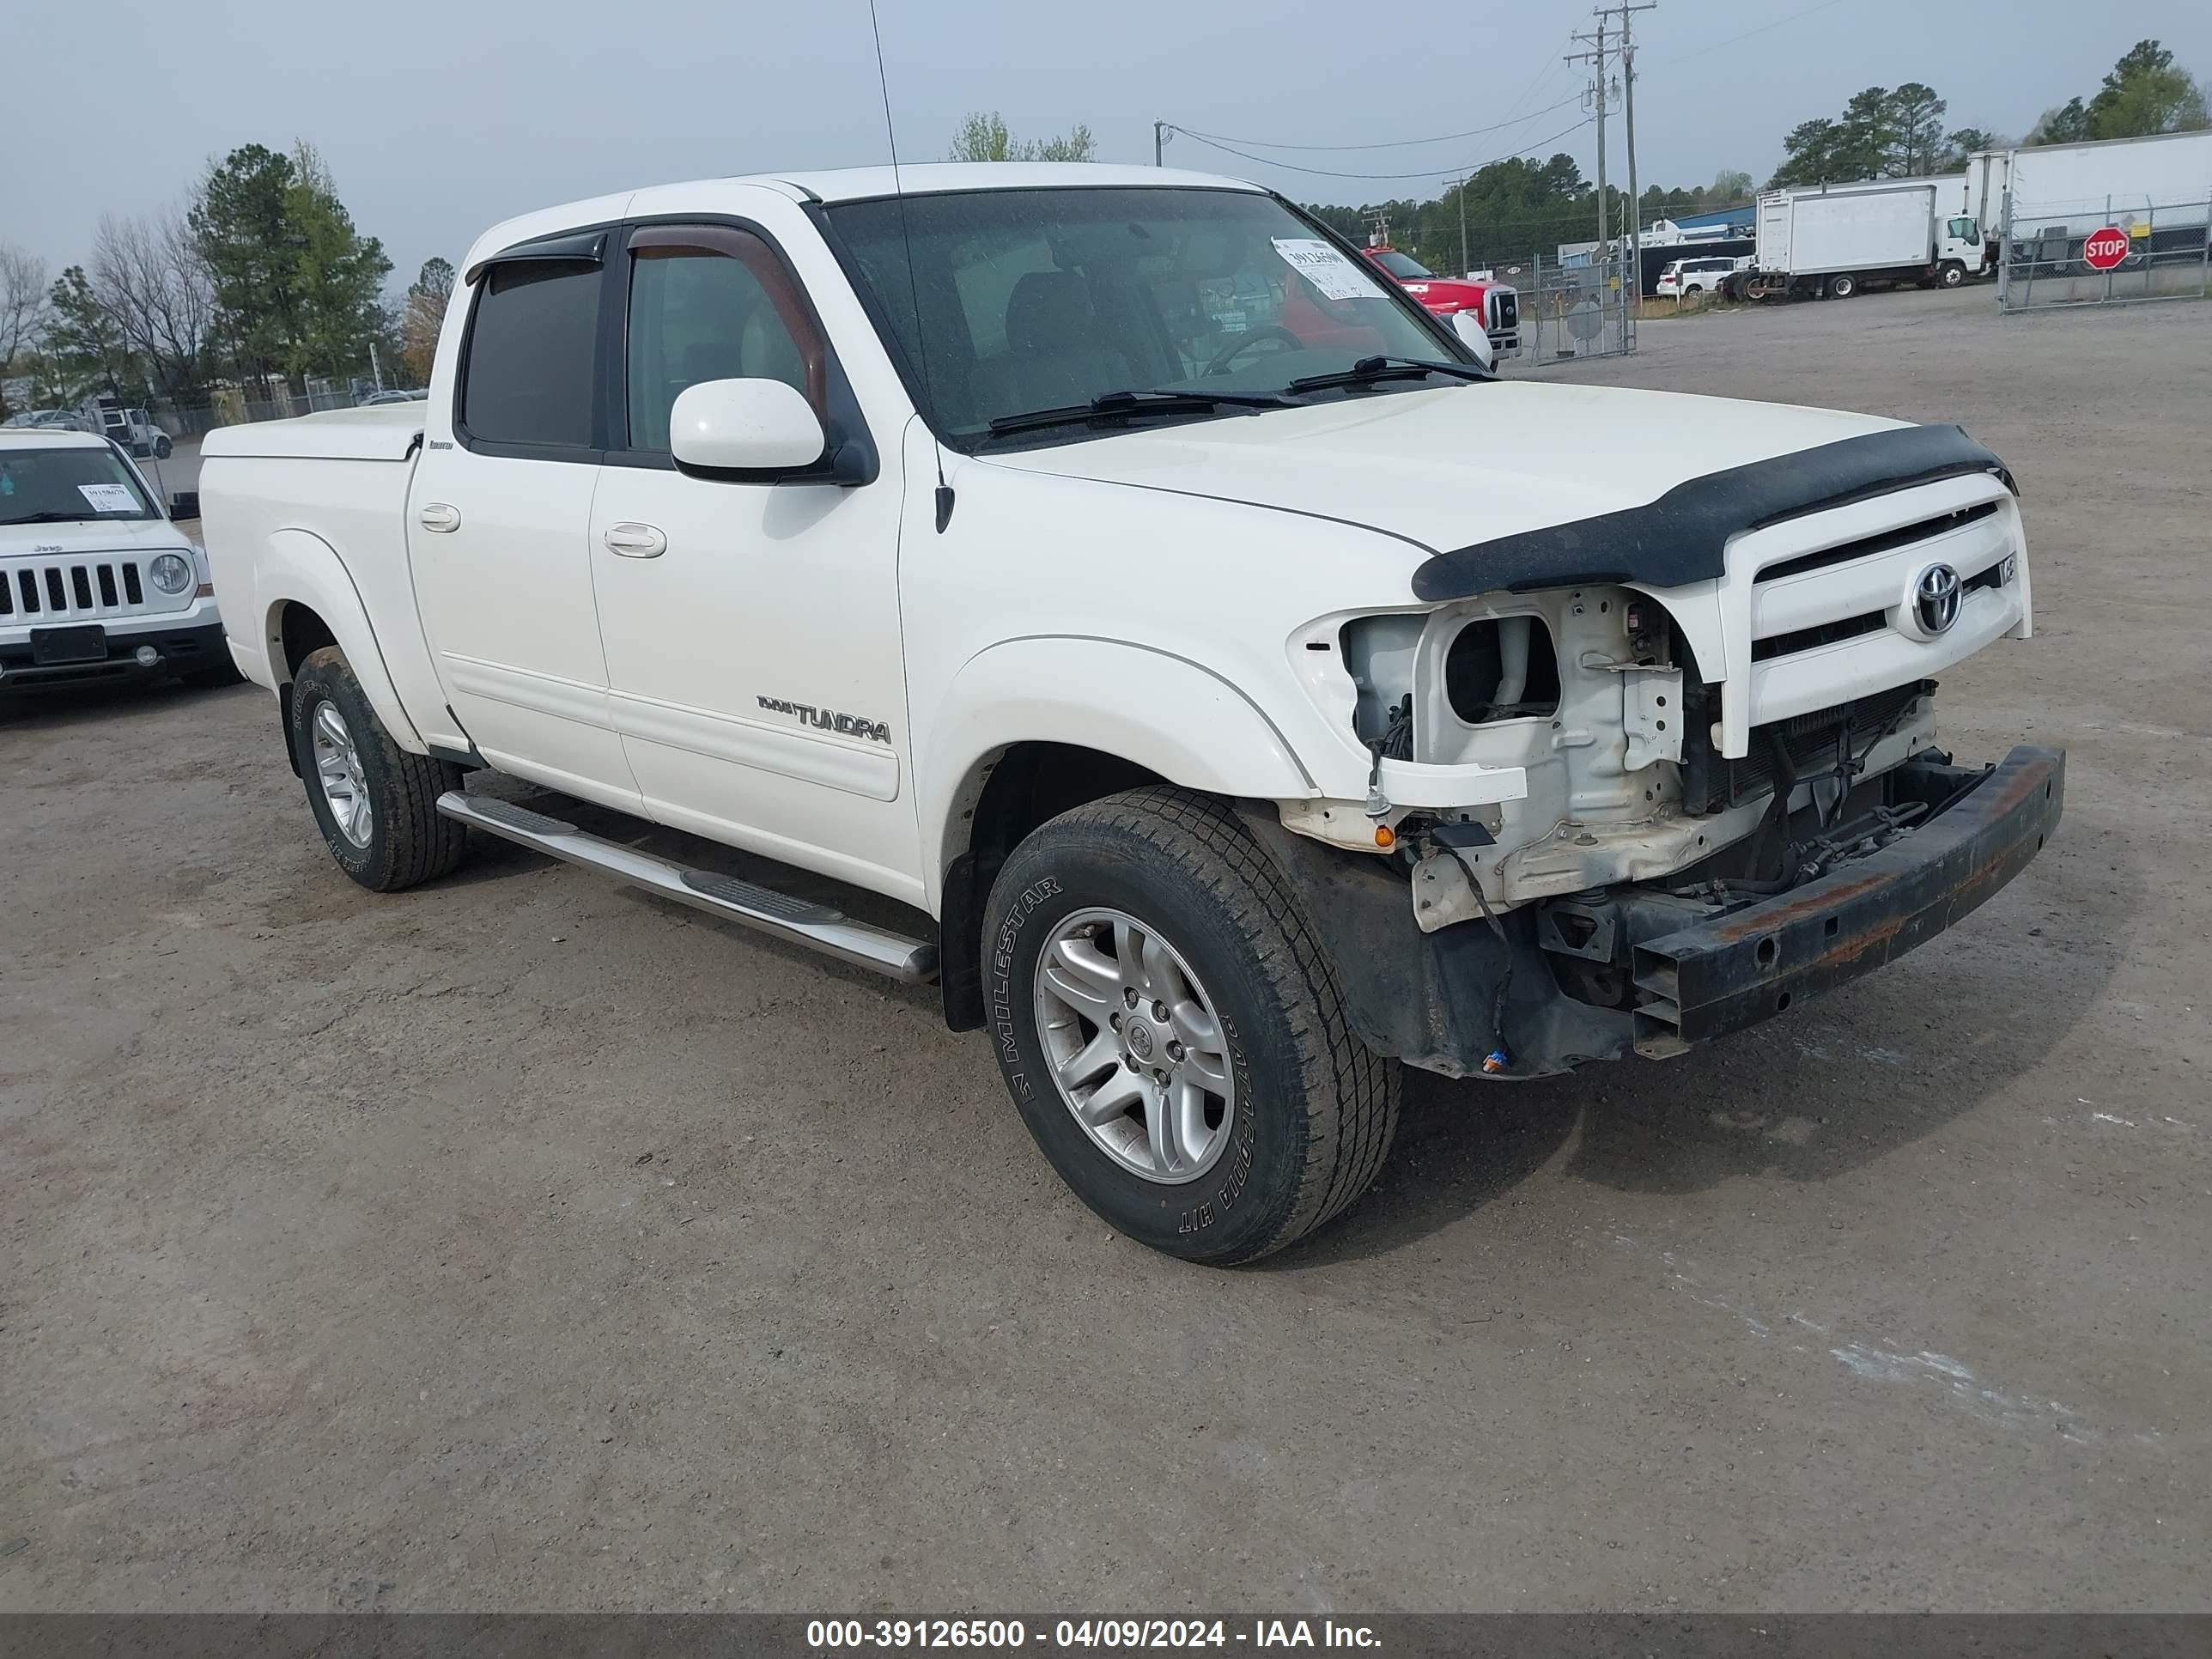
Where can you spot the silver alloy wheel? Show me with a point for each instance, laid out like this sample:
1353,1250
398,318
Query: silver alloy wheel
1136,1048
337,769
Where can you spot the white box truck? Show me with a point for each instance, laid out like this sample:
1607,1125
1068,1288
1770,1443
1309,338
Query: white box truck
2155,189
1829,241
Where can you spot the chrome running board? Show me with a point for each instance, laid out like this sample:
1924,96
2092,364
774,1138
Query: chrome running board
815,926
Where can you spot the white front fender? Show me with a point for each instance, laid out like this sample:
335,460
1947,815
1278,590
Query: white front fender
1165,712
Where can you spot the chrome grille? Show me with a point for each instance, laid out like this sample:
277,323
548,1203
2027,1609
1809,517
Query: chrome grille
87,588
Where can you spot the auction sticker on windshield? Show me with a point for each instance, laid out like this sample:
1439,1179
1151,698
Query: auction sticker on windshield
1328,270
108,497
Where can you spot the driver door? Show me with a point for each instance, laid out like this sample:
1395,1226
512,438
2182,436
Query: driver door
751,628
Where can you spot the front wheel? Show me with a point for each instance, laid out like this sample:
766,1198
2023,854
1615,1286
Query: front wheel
1953,274
375,803
1842,286
1172,1034
163,449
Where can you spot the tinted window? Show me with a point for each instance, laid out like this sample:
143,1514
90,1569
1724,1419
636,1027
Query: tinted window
1401,266
697,315
530,346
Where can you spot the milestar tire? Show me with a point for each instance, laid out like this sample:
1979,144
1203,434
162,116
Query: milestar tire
1173,1036
375,803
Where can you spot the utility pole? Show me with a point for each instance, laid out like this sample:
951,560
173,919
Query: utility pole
1161,133
1595,58
1460,184
1626,13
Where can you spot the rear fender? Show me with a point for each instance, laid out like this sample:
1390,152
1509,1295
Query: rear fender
302,568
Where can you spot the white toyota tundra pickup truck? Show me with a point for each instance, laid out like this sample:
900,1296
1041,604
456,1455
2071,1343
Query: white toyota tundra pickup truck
1241,689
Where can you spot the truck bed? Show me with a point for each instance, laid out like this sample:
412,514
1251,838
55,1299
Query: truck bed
381,432
315,507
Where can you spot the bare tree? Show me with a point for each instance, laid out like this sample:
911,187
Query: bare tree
22,304
149,277
423,316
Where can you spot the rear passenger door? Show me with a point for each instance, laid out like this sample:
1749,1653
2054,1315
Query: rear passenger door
500,516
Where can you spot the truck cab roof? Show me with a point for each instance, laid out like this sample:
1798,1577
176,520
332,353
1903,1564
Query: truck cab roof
835,184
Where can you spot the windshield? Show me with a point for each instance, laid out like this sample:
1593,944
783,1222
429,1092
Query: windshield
1400,266
56,486
1047,299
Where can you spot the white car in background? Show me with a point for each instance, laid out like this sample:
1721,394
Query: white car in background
1683,277
95,582
46,420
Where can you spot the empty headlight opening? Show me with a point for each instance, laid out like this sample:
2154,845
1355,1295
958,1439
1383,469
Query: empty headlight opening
1503,669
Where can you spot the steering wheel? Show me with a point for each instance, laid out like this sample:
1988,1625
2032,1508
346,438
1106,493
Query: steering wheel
1244,341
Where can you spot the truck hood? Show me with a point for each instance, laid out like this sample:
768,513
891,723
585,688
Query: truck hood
1451,466
1440,292
148,536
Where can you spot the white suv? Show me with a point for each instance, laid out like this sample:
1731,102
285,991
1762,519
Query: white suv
95,582
1692,276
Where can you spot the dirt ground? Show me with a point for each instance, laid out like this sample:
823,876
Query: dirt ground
522,1242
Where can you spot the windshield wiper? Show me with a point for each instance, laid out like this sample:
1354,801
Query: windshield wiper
49,516
1112,405
1369,369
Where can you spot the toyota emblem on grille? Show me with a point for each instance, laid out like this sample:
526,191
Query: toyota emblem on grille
1935,598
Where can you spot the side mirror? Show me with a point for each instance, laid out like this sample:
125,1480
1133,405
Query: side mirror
1467,325
745,426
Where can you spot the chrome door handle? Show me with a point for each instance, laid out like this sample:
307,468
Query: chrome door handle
440,517
635,541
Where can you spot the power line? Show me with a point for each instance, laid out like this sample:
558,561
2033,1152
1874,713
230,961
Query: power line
1731,39
1387,143
1546,68
1429,172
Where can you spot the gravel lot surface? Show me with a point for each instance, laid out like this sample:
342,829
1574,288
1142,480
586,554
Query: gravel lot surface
524,1243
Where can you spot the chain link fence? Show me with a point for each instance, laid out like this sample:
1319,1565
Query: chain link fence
1572,311
2080,253
232,407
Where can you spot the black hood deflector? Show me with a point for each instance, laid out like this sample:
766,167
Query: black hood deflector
1683,535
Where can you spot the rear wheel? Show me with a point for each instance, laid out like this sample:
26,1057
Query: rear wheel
1172,1034
1841,286
375,803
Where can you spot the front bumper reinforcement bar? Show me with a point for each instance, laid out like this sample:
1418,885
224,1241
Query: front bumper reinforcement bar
1721,975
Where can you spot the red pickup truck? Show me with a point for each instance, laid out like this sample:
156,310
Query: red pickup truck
1498,303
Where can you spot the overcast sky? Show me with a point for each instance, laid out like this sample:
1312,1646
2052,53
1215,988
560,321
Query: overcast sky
439,119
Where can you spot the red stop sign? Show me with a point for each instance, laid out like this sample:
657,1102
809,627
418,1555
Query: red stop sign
2104,250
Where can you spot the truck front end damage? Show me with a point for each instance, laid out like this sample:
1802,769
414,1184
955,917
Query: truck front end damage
1645,783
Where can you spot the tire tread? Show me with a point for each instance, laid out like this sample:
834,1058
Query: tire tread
1353,1091
421,842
